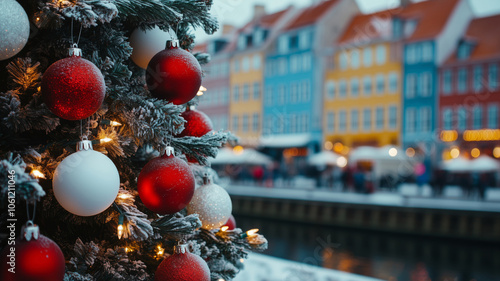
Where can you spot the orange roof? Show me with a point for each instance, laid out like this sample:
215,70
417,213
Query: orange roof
271,19
367,27
483,34
431,15
311,14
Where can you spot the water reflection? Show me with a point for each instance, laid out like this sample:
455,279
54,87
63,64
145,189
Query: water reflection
385,256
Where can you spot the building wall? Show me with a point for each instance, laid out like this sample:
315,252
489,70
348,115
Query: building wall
389,96
246,73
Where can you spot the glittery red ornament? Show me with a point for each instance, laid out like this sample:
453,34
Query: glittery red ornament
166,184
231,223
197,125
182,266
73,88
174,74
38,259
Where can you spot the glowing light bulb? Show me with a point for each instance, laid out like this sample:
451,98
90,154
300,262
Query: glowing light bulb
341,161
115,123
105,140
37,174
454,152
224,228
160,251
201,91
393,152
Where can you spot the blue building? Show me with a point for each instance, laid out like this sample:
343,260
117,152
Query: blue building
429,30
293,79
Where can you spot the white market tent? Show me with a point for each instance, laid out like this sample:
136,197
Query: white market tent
247,156
484,164
324,158
386,160
459,164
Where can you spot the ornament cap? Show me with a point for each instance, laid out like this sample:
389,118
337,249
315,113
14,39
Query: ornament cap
181,248
31,231
84,145
206,179
190,107
168,151
171,44
74,51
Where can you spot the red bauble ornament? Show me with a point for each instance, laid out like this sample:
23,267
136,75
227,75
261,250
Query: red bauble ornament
197,125
231,223
166,184
174,74
182,266
38,259
73,88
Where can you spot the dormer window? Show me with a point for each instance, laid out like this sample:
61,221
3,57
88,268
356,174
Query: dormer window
409,27
397,30
294,42
464,50
242,42
258,37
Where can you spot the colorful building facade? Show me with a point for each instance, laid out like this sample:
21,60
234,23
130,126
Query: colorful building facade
292,106
363,85
430,31
469,99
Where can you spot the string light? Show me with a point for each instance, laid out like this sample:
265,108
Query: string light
251,233
160,251
37,174
201,91
120,226
124,196
105,140
115,124
224,228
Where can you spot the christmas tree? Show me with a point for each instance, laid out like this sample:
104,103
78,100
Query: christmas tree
101,154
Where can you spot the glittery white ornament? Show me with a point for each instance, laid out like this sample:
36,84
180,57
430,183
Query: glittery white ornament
212,203
14,28
86,182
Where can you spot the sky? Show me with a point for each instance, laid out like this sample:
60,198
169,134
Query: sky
238,12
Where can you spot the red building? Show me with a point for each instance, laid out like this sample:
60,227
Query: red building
469,99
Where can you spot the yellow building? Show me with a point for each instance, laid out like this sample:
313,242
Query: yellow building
246,77
362,88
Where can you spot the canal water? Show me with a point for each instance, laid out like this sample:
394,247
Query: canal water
385,256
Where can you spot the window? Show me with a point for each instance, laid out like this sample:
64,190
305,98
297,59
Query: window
463,50
245,64
306,62
330,90
354,87
235,123
427,52
294,63
493,76
258,36
380,84
354,120
447,119
411,120
246,92
462,118
343,60
393,82
236,93
409,27
283,44
393,117
462,80
367,119
225,96
411,54
282,94
478,78
256,62
330,122
255,122
367,85
256,90
477,117
411,85
367,57
306,91
269,95
236,65
342,121
294,42
342,88
493,116
304,39
355,59
425,119
293,123
379,118
381,54
242,42
426,84
446,82
294,95
282,66
245,123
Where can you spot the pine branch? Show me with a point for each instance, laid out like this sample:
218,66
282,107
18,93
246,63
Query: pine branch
24,74
203,147
176,227
26,187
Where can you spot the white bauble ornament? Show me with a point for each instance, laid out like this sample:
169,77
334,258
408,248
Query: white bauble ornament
212,203
86,182
146,44
14,28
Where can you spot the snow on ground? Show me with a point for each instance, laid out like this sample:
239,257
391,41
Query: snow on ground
265,268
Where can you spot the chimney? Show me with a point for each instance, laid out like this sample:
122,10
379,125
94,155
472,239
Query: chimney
405,3
227,29
258,11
